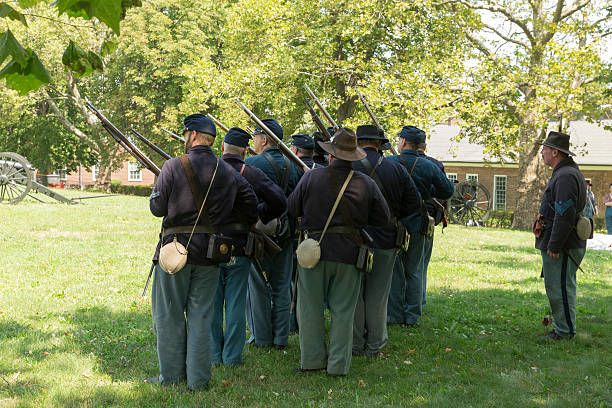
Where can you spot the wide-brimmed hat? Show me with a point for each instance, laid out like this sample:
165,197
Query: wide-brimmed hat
559,141
371,132
344,146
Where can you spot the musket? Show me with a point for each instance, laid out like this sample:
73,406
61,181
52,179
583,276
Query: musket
124,141
317,120
283,148
365,104
252,151
152,145
318,103
144,292
174,135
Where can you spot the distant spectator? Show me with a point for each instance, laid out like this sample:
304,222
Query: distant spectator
590,209
608,204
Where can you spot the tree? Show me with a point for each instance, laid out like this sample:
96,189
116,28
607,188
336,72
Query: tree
394,51
538,61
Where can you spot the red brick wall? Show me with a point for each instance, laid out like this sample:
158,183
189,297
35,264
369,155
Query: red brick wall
148,178
601,180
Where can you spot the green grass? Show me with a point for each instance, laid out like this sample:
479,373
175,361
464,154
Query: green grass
72,331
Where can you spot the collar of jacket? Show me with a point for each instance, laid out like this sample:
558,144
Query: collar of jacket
272,149
232,156
341,164
565,162
200,149
372,151
410,152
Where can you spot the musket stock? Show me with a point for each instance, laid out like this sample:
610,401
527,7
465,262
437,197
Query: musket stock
283,148
365,104
123,140
320,105
152,145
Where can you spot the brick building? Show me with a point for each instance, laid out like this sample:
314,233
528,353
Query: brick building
130,174
463,160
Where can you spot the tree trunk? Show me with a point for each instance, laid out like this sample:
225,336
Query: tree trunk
531,180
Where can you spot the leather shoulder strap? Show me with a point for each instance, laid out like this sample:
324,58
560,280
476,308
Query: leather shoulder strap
194,185
281,176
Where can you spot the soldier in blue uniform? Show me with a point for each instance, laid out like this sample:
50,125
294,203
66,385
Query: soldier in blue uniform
303,146
269,297
335,277
435,208
562,250
403,198
320,155
233,279
182,302
406,295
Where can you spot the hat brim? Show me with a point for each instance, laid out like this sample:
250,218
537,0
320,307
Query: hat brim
373,137
561,149
348,155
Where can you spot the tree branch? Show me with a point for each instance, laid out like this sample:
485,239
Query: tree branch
478,44
509,39
71,127
579,5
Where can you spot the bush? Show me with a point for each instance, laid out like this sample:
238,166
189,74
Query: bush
500,219
143,191
599,224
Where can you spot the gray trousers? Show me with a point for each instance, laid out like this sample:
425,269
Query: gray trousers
182,315
339,283
560,283
370,324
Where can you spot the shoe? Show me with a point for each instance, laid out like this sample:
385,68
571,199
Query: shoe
301,370
280,346
553,335
152,380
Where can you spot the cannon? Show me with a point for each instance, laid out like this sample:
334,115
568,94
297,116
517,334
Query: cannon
17,181
470,204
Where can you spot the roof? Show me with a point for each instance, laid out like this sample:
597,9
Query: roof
590,141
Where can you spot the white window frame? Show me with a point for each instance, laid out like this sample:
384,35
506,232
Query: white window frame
452,176
474,175
95,169
130,171
495,191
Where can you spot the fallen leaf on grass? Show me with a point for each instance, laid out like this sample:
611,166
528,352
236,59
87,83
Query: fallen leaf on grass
276,394
85,375
262,377
534,368
225,383
411,351
46,353
362,383
448,350
407,362
488,333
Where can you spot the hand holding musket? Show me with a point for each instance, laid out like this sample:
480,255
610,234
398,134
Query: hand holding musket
365,104
252,152
283,148
317,120
123,140
152,145
174,136
320,105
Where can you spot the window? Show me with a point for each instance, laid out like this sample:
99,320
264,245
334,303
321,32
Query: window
499,195
452,176
134,172
472,177
94,172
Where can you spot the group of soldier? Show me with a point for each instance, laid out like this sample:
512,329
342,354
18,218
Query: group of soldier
371,216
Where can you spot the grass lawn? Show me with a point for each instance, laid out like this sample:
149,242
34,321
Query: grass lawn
72,331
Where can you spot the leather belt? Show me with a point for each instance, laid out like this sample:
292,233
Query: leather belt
186,229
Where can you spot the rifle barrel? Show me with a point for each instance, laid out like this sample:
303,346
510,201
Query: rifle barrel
376,122
120,137
320,105
174,135
317,120
152,145
283,148
218,123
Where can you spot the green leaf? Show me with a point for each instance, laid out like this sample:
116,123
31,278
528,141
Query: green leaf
10,46
109,46
8,11
28,3
110,12
28,78
81,62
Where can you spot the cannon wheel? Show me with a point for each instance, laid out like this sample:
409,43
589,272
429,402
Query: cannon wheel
15,178
470,205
